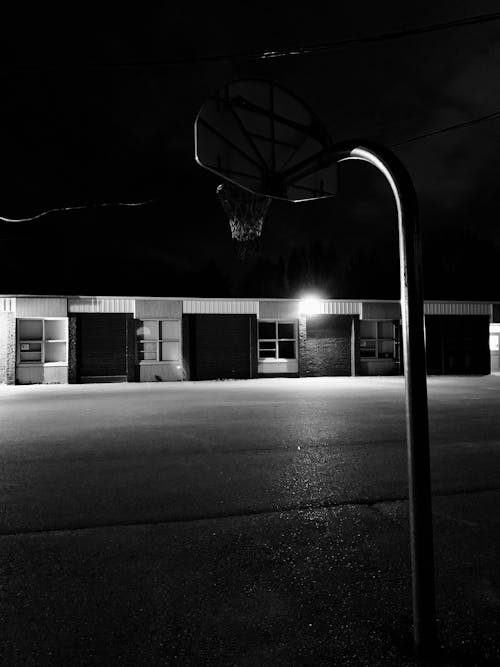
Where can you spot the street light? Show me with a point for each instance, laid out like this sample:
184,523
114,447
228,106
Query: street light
309,305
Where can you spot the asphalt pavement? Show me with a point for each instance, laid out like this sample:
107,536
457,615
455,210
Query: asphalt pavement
242,523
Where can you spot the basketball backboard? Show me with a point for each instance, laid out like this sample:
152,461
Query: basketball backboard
263,138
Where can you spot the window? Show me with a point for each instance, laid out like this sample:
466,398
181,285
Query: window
159,340
42,341
277,340
377,339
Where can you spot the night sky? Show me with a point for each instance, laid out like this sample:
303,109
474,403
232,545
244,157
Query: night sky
99,106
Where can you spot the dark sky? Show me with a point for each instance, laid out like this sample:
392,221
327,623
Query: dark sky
98,106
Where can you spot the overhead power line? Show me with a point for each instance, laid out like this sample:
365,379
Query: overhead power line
432,133
294,51
78,207
448,128
387,36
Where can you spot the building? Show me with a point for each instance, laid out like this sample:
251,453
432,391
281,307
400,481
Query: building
75,339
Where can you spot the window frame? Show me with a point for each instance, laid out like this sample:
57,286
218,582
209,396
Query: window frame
276,340
158,341
43,341
377,340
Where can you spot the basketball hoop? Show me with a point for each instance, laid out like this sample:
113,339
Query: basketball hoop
246,212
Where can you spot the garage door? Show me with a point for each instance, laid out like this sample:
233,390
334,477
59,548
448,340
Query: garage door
102,347
457,344
222,346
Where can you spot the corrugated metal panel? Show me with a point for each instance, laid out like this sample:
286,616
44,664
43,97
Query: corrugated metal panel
42,374
157,308
340,307
41,307
29,375
278,310
220,307
172,372
101,305
442,308
276,367
55,375
380,311
7,304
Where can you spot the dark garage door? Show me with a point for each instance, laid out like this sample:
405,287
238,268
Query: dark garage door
457,344
222,346
102,347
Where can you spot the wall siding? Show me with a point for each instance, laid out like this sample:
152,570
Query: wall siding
161,372
220,307
442,308
379,367
278,368
341,307
55,374
278,310
381,311
158,309
42,375
29,375
41,307
101,305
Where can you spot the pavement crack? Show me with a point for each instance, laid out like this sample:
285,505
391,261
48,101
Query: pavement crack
352,502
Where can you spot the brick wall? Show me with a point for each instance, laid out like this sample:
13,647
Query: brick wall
187,344
325,345
302,337
132,357
72,350
355,353
7,348
254,351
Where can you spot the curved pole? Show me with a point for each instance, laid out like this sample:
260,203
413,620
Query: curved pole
412,312
412,315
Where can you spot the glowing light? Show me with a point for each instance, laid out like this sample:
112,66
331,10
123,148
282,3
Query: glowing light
310,305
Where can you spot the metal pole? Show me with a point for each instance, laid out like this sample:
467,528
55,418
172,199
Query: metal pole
417,422
417,425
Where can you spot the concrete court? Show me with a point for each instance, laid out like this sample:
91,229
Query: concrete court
243,522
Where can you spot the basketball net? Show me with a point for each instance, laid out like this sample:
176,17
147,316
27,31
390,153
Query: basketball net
246,212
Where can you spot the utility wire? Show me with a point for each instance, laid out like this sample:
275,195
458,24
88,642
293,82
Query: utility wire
418,137
385,37
78,207
266,55
449,128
